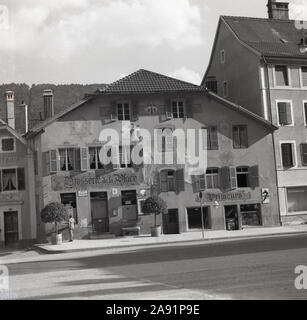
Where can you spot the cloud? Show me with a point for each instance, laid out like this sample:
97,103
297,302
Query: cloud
186,74
57,29
299,10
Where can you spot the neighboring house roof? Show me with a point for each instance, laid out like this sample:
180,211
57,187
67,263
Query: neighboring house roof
143,81
269,37
4,125
150,76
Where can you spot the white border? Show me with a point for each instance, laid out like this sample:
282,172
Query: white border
292,113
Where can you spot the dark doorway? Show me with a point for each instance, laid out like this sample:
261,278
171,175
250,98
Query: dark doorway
129,205
231,218
11,234
194,218
99,212
69,200
171,222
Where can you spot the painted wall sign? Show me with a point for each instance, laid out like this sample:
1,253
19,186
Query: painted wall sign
226,197
265,194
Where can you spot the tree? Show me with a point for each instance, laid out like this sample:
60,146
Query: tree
54,213
154,205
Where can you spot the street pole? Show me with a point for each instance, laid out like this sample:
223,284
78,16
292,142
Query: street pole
202,214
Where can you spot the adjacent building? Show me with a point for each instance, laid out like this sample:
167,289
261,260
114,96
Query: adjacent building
261,64
239,183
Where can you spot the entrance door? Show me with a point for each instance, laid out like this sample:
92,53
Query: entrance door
69,200
231,218
194,218
99,211
171,222
11,234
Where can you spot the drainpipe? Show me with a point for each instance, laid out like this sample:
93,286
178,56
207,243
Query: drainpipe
272,135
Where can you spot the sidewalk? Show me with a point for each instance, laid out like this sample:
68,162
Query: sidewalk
194,236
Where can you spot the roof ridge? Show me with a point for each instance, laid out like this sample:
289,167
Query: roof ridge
258,18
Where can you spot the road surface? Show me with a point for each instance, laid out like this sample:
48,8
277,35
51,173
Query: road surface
241,269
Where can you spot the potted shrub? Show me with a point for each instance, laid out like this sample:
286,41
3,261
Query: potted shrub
55,213
154,205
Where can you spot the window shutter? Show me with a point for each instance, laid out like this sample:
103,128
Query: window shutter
305,109
168,112
115,158
224,178
46,163
188,108
21,179
159,141
254,177
243,137
195,185
54,161
282,113
236,137
169,145
213,138
287,156
180,181
134,111
288,113
233,178
202,182
163,181
304,153
114,111
84,159
304,74
77,157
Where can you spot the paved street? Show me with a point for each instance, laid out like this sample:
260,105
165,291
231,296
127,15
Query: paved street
241,269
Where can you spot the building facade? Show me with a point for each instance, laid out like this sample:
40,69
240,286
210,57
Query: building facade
239,185
261,64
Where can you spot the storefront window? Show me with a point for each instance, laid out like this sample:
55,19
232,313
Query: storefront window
297,199
251,215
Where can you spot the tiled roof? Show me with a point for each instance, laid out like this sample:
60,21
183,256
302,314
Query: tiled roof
271,37
147,82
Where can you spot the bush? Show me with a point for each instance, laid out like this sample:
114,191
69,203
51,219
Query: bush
54,213
154,205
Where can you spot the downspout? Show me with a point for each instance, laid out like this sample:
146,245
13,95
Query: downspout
272,135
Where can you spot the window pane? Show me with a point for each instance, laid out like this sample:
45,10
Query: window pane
281,74
287,156
251,215
70,159
297,199
9,180
62,159
8,144
304,76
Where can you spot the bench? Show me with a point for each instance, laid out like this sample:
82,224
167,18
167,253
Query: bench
131,231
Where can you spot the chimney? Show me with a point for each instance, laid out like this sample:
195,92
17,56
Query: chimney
278,10
10,108
48,104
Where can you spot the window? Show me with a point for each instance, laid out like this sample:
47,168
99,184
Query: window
240,138
165,141
284,113
67,159
212,138
198,183
297,199
167,180
251,215
7,144
223,56
242,177
287,152
95,162
281,76
304,154
304,76
305,112
225,89
212,178
124,157
12,179
123,111
178,109
211,84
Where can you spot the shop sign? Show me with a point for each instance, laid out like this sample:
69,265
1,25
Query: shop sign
226,197
265,195
82,193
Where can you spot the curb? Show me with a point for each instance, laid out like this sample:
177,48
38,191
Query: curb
204,241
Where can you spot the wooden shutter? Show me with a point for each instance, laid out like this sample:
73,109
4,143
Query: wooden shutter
304,153
155,187
84,159
233,178
305,109
115,157
236,137
243,137
287,155
282,113
254,177
134,111
169,145
54,161
163,181
188,108
224,178
180,185
21,179
202,182
304,74
288,113
46,163
195,185
212,138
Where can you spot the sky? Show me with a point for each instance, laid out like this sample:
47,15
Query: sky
100,41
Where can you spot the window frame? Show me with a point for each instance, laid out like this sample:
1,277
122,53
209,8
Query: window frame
97,160
126,164
124,116
247,137
294,154
14,144
288,75
209,146
301,77
177,101
17,182
66,159
241,173
292,113
168,180
211,177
